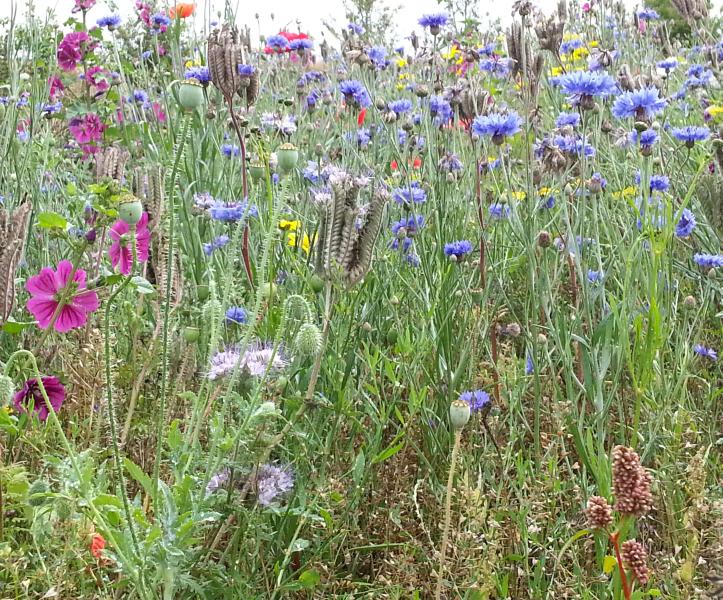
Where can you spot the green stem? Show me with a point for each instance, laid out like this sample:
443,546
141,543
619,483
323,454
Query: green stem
447,513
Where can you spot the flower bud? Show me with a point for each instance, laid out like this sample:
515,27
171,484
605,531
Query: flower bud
690,302
544,239
459,414
308,340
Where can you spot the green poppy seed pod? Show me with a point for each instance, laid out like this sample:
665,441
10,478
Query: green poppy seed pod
308,340
268,290
130,209
394,301
459,414
690,302
256,171
288,157
316,284
7,390
202,292
541,339
191,334
190,94
366,326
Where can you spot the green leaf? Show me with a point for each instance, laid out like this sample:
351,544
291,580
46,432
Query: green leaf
359,465
143,285
310,579
108,500
299,544
138,475
15,327
387,453
51,220
609,563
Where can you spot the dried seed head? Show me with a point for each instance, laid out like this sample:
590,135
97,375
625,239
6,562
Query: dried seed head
599,513
635,558
631,483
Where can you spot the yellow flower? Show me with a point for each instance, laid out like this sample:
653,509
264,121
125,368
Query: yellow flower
594,44
625,193
305,241
518,195
546,191
289,225
715,111
580,53
555,71
453,51
401,62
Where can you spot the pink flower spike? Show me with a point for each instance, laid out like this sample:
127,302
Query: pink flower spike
121,251
48,289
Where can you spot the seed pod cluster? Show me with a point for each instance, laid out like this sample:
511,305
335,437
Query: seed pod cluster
13,231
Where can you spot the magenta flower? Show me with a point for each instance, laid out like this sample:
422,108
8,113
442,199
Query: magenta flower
87,129
121,251
70,50
52,291
98,77
83,5
56,87
31,396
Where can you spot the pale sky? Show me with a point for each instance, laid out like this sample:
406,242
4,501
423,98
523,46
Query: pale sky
309,12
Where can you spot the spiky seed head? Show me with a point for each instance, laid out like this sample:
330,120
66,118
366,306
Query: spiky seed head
308,340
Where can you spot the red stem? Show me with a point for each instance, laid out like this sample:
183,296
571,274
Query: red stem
621,568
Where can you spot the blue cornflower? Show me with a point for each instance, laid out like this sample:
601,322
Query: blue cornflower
355,93
400,106
668,64
356,28
410,225
595,276
708,261
200,74
698,76
499,211
547,201
217,244
311,172
450,162
140,96
246,70
378,56
646,139
110,21
477,399
571,145
303,44
236,315
232,212
686,224
648,14
310,76
691,134
413,259
571,119
497,125
458,249
659,183
434,21
312,98
571,45
529,364
146,55
51,108
401,137
641,104
160,20
412,193
582,86
441,110
705,352
230,150
495,66
277,42
362,137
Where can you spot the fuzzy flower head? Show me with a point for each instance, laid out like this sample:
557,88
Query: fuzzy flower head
277,42
434,22
110,21
236,315
31,396
640,104
691,134
411,194
708,261
121,250
686,224
54,293
498,126
355,94
705,352
200,74
399,107
477,399
635,558
271,482
255,361
582,86
457,250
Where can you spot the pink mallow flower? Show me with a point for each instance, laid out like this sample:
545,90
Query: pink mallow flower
53,291
83,5
87,129
31,396
71,49
99,78
56,87
121,251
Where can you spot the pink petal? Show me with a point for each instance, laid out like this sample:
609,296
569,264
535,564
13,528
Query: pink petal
42,309
43,283
114,253
118,229
87,301
63,271
143,223
126,260
70,317
79,278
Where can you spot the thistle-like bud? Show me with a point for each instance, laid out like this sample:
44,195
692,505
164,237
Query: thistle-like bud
308,340
635,558
631,483
544,239
599,513
7,390
690,302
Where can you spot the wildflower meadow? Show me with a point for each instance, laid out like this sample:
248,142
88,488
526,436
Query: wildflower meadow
433,314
